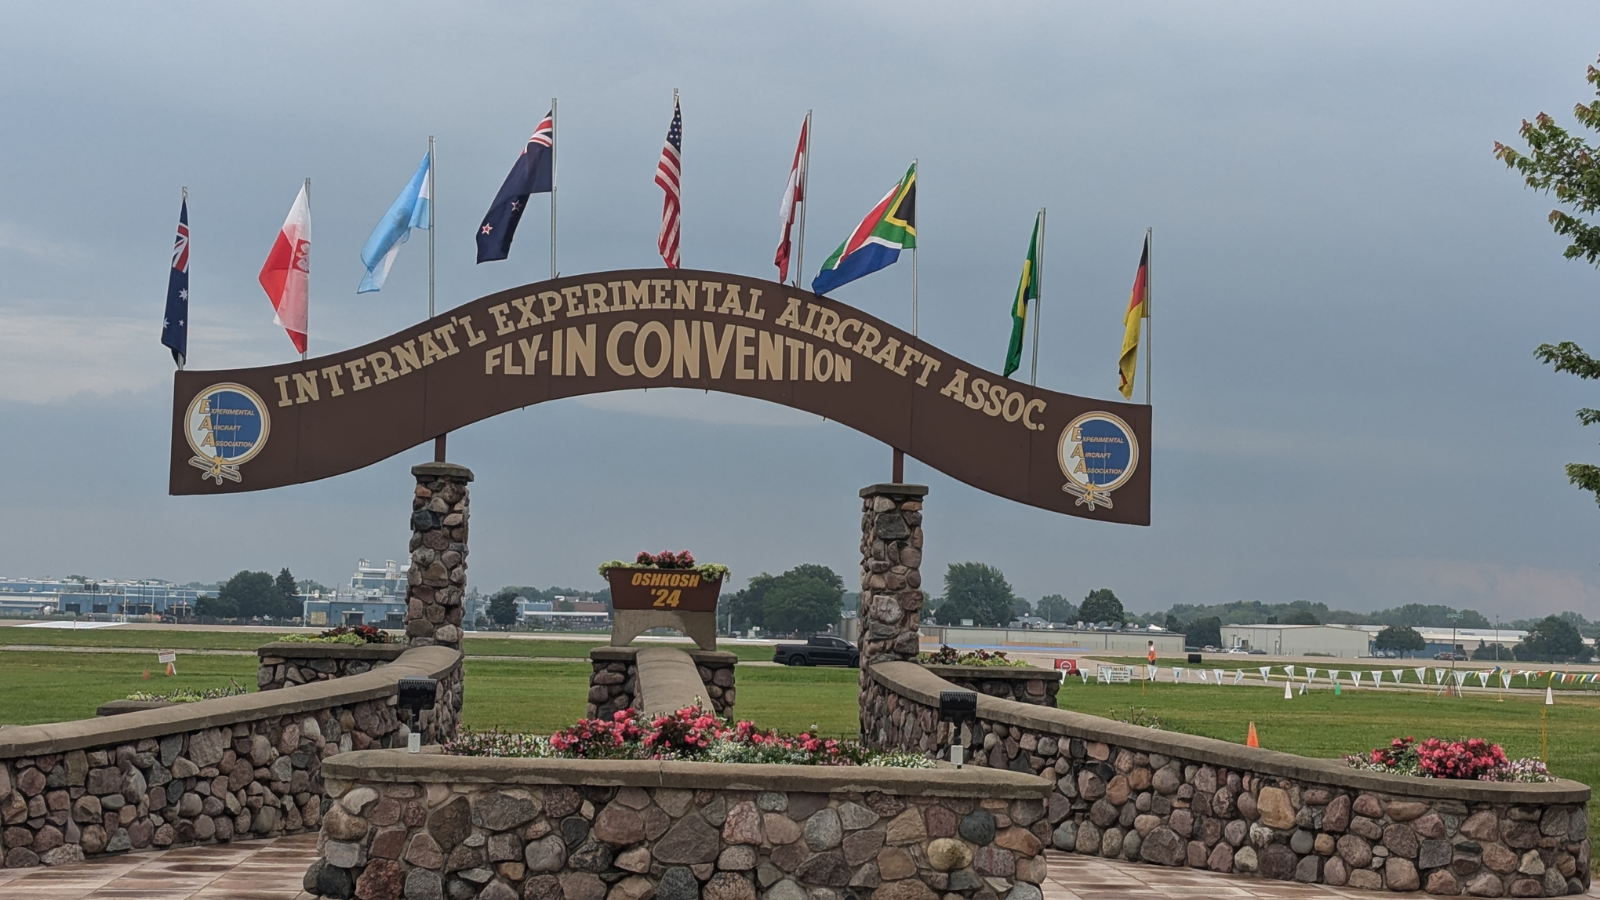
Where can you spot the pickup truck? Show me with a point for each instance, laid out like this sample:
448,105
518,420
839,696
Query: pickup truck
818,650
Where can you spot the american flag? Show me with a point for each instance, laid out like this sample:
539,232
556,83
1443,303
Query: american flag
667,175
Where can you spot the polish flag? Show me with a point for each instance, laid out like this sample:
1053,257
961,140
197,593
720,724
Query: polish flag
286,275
793,195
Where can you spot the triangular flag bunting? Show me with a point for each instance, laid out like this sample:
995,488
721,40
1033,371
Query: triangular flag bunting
1397,673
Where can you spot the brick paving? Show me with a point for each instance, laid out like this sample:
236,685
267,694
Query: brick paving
244,870
271,870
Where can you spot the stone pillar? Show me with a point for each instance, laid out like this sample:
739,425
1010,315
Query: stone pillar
891,572
438,576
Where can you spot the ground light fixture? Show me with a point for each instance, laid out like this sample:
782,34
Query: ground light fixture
417,694
958,707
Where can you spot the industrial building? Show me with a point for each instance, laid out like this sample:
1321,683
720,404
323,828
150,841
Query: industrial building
74,596
1131,641
1342,641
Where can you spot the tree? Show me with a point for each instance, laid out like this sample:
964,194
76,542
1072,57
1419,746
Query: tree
211,607
1020,607
978,592
1567,166
1491,652
744,608
801,603
1102,606
1206,632
1399,639
503,607
1300,617
254,594
1554,640
1056,608
308,586
288,588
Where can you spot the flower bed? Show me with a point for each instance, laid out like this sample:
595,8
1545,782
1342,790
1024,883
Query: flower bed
355,635
190,695
667,559
950,656
688,734
1472,759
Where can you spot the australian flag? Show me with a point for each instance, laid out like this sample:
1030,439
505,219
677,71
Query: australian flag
533,173
175,323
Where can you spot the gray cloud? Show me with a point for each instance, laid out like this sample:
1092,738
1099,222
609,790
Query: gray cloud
1348,288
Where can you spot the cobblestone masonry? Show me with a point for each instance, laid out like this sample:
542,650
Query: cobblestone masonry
174,776
438,576
597,830
614,681
891,576
1177,800
1024,684
287,663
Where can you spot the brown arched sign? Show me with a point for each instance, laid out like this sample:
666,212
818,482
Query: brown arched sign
250,429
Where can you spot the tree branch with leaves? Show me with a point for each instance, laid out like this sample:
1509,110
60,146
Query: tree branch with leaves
1563,164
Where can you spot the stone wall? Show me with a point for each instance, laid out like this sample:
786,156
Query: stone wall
891,576
1024,684
1124,791
440,508
546,829
614,681
288,663
198,772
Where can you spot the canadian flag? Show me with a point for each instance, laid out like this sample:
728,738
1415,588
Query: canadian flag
793,195
286,275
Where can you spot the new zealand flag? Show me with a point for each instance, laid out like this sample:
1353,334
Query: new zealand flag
175,323
533,173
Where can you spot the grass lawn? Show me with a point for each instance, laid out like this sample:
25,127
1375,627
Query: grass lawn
1252,669
238,640
541,697
1322,725
55,687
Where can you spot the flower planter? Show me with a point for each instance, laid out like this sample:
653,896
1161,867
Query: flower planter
665,590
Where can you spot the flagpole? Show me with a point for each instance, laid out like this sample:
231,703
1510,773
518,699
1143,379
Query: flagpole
1149,290
918,176
805,202
1038,301
552,187
438,442
432,207
191,293
900,455
308,278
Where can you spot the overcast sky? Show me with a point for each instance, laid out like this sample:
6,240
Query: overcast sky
1348,287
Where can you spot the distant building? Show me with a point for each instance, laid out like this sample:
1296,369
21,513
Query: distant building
1130,641
1437,640
1344,641
49,596
376,595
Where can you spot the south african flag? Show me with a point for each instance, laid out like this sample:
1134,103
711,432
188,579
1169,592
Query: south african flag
877,241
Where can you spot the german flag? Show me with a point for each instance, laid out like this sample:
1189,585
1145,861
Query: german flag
1138,309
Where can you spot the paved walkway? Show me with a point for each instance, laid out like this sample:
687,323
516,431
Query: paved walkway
272,870
246,870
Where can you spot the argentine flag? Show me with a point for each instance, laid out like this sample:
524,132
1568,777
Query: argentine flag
411,209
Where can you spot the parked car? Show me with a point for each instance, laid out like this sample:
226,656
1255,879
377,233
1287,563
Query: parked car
1446,654
1257,651
818,650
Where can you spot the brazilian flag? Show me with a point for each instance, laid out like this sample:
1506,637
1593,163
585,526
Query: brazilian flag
1027,291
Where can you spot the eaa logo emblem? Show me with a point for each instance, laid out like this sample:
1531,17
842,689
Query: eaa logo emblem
1098,454
227,425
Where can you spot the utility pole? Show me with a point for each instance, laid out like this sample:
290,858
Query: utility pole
1455,619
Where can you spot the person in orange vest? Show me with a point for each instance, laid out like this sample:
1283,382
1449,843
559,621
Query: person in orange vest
1150,654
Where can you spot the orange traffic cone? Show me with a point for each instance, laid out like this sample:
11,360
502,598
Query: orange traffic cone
1251,740
146,674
